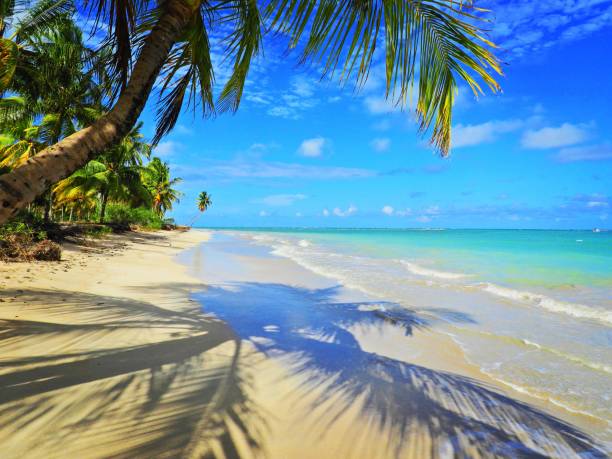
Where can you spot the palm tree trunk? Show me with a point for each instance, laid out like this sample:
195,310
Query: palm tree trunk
103,206
23,184
48,206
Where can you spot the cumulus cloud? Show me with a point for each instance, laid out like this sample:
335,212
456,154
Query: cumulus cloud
167,148
314,147
524,26
476,134
345,213
423,219
325,213
403,213
585,153
263,213
387,210
380,105
554,137
278,200
380,144
258,169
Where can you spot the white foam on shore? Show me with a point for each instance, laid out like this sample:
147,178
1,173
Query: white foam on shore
573,309
422,271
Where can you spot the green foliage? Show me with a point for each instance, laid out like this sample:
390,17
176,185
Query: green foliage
141,216
26,225
97,231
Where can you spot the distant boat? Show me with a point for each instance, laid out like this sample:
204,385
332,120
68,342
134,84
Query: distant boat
596,230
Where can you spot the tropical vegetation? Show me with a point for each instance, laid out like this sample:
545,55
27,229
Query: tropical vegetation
428,45
59,87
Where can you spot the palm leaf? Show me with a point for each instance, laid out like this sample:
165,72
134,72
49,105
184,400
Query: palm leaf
9,53
242,44
432,43
42,16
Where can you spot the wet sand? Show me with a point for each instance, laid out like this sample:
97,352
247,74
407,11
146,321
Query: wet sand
227,351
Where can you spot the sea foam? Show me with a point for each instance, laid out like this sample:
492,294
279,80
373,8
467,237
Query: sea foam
581,311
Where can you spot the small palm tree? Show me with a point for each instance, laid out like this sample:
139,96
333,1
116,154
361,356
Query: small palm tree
204,202
157,180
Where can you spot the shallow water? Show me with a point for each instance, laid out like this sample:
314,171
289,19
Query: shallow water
532,308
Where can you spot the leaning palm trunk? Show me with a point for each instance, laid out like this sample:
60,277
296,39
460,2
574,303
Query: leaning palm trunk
22,185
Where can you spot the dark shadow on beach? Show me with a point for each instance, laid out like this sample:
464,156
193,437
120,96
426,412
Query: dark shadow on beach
93,379
311,333
135,395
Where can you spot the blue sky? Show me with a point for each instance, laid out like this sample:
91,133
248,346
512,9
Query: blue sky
301,152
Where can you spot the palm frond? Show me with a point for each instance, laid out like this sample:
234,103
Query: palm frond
432,43
189,72
121,18
9,53
43,15
243,44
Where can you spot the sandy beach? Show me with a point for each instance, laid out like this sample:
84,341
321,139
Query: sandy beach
165,345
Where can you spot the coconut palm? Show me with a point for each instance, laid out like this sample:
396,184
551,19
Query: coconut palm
429,44
204,202
157,180
54,86
115,175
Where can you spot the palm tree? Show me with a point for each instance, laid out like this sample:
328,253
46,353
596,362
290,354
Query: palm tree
204,202
427,43
157,180
115,175
54,86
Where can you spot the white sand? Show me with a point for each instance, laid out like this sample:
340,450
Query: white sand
105,355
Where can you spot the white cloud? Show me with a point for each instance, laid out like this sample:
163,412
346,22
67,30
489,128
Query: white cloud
476,134
380,105
298,214
423,219
277,200
290,103
334,99
263,213
325,213
387,210
345,213
593,204
403,213
302,87
314,147
282,112
380,144
586,153
554,137
182,129
523,27
258,169
167,148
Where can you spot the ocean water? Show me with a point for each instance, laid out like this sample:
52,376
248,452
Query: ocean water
531,308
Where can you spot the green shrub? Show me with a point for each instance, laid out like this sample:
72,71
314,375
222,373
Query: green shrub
125,215
97,231
25,225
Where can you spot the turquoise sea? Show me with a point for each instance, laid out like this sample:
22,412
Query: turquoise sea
531,308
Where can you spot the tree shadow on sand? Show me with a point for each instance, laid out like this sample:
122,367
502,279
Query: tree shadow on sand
160,382
414,408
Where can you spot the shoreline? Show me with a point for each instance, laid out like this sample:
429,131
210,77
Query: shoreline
175,379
